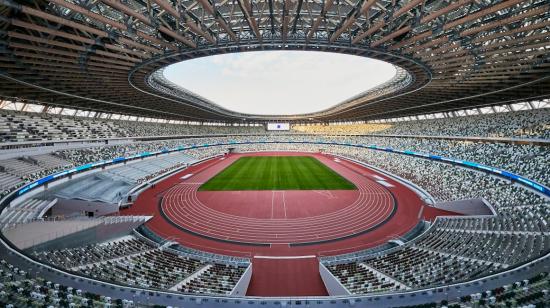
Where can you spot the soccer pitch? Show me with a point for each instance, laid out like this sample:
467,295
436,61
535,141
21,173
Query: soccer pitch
277,173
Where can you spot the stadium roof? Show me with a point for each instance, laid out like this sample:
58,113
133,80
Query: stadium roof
108,55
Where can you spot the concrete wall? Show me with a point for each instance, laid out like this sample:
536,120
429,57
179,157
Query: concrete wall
333,286
96,234
70,206
241,286
473,207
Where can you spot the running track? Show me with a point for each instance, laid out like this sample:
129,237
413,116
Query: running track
374,204
285,277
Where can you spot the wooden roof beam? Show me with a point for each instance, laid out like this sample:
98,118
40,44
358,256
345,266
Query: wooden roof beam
190,23
221,22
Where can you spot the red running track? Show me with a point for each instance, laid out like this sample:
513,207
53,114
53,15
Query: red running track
273,224
288,277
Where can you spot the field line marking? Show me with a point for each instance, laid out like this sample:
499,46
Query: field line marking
285,257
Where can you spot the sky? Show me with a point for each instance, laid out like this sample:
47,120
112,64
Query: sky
279,82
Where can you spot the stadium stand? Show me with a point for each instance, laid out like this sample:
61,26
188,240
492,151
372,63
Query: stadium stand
20,127
466,259
19,288
17,127
50,162
501,155
9,182
520,246
134,261
358,278
519,124
75,257
113,184
452,250
100,152
20,168
216,279
532,292
29,210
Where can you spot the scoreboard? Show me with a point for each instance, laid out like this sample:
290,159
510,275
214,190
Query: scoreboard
278,126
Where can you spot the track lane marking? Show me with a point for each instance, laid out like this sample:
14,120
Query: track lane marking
285,257
184,205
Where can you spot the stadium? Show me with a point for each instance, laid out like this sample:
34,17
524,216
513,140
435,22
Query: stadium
121,186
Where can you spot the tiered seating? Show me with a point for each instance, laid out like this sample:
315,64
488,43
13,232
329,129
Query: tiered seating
138,262
502,197
86,155
19,126
487,245
8,182
218,279
20,168
74,257
526,160
532,292
358,279
113,184
452,252
47,161
519,124
22,213
342,129
24,126
420,268
510,219
525,124
152,269
21,289
15,172
446,182
128,128
148,169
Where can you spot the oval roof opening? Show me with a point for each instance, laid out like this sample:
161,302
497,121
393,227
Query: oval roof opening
279,82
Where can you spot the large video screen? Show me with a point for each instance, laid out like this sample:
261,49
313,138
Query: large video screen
278,126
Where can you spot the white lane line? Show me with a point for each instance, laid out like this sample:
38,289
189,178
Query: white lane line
285,257
384,183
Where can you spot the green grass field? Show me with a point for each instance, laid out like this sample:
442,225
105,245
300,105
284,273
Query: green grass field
277,173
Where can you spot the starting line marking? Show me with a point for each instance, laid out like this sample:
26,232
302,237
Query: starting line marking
285,257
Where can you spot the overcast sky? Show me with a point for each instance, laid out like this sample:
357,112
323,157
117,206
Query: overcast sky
279,82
